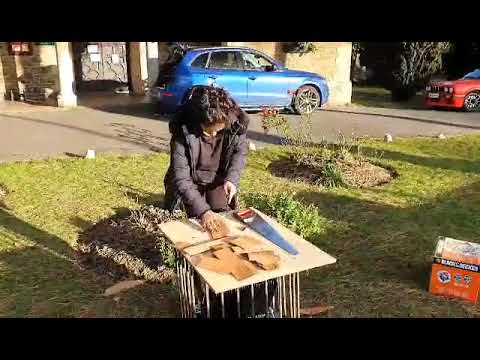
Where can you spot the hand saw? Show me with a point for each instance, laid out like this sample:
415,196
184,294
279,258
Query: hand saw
257,223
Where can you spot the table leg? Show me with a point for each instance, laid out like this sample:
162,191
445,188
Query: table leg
207,292
192,289
183,287
179,287
222,297
290,293
187,288
280,297
298,295
252,291
266,297
238,303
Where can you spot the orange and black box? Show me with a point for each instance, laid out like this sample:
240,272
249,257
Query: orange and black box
456,269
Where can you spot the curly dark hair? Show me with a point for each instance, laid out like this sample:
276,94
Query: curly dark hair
213,105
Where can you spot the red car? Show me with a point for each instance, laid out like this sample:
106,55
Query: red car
463,93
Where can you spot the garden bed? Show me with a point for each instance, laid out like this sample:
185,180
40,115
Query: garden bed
130,247
355,173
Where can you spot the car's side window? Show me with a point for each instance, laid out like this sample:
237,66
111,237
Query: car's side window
253,61
200,61
228,60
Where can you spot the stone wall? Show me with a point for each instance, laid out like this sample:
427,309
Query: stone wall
2,82
35,76
332,60
9,72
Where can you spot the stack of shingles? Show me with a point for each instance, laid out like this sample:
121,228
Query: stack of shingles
240,256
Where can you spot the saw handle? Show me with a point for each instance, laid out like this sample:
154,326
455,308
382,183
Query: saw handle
243,215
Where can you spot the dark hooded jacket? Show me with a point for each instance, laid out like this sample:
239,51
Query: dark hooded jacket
181,181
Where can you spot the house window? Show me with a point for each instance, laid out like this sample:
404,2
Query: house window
230,60
255,61
20,48
200,61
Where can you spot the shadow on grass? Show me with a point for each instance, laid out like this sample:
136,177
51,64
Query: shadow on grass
466,166
140,196
43,279
44,269
367,96
394,243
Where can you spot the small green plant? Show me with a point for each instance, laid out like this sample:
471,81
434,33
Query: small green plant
297,138
331,176
168,253
303,220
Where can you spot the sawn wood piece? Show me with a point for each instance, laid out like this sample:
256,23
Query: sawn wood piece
240,270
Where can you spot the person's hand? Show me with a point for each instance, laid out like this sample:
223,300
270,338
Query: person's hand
207,218
214,224
230,190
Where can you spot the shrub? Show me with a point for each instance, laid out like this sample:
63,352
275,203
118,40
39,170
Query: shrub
303,220
415,64
300,48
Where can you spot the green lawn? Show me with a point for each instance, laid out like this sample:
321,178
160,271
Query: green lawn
373,96
383,237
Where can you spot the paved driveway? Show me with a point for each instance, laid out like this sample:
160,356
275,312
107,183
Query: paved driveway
131,126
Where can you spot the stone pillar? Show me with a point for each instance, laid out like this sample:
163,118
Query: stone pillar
143,61
2,82
343,85
153,63
66,75
9,73
138,67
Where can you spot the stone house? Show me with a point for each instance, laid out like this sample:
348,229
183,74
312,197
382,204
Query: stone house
56,73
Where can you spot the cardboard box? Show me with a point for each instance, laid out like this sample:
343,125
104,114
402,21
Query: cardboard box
456,269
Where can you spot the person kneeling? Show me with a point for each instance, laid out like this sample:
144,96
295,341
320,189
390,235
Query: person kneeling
208,151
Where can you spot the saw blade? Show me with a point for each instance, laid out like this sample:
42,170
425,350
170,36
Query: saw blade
270,233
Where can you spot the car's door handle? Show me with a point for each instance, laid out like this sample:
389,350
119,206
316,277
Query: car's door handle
212,77
252,77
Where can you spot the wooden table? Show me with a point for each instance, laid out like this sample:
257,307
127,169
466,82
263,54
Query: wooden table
286,300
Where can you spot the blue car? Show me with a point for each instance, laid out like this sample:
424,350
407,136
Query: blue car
253,79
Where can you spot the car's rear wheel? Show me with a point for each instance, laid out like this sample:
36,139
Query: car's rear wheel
472,102
307,100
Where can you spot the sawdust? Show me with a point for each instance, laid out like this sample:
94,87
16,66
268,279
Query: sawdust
132,247
122,286
3,191
363,174
3,195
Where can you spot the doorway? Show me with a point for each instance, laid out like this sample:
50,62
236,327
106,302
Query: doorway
100,66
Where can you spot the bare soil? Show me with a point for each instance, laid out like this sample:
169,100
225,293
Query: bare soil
129,247
354,173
